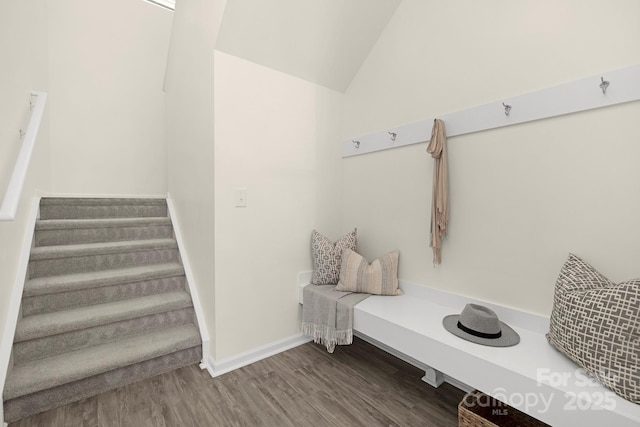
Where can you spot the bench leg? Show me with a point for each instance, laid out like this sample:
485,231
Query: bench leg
433,378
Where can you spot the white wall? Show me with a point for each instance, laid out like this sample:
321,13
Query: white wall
24,69
522,197
277,136
24,57
190,137
107,106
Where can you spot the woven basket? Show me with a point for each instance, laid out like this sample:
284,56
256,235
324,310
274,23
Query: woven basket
479,410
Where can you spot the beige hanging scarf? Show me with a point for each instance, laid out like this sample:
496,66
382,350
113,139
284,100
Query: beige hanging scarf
440,199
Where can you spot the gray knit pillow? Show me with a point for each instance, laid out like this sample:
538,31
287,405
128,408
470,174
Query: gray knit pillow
378,278
596,323
327,256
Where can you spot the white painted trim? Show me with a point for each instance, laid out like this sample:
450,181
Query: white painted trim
16,294
102,195
217,368
191,281
19,174
578,95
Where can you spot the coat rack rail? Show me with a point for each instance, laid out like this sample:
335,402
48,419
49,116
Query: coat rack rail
602,90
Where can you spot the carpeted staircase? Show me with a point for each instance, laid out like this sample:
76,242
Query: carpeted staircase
105,304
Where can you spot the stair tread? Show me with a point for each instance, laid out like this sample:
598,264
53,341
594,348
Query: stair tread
47,324
99,201
63,251
77,281
129,245
64,224
61,369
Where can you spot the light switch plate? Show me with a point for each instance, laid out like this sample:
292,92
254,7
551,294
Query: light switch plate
241,197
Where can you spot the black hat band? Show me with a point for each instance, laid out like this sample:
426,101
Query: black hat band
478,334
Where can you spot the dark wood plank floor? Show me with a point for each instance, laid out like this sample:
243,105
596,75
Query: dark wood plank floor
358,385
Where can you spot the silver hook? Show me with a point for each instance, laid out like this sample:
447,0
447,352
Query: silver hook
604,85
507,109
356,143
31,104
22,133
393,135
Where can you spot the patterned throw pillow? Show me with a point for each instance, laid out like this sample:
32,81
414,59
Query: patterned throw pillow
327,256
379,278
596,323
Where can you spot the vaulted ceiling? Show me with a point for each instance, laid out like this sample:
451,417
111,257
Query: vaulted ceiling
322,41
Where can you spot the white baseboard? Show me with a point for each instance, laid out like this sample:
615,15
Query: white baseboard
191,282
217,368
16,295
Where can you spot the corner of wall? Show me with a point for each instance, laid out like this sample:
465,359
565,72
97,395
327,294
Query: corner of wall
220,367
191,282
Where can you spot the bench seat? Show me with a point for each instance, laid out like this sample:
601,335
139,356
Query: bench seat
531,376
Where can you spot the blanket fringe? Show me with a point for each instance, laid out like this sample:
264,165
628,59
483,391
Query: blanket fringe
327,336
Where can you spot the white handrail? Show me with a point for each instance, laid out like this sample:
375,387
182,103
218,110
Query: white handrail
16,183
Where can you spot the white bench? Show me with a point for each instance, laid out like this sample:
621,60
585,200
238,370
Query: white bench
531,376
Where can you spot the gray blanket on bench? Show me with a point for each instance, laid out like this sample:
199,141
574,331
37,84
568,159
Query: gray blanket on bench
327,314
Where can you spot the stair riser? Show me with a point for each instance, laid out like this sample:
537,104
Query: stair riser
101,234
102,211
33,328
21,407
71,299
81,264
83,334
53,345
42,375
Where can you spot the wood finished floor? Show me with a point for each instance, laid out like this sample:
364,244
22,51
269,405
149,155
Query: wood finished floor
358,385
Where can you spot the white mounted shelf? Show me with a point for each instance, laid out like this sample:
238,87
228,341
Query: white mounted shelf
602,90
